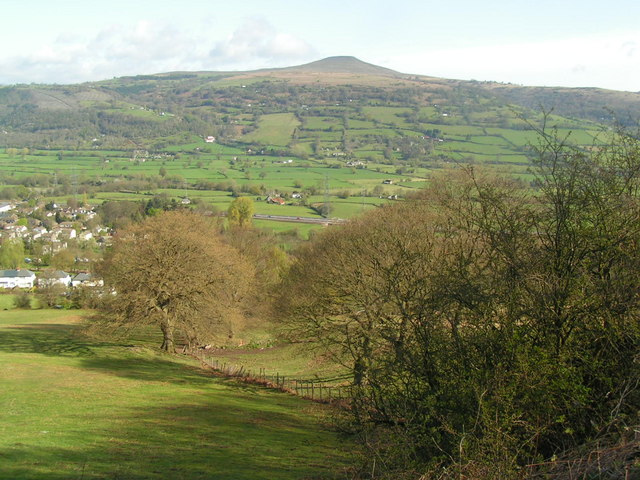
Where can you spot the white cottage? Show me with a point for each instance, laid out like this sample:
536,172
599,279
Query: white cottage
17,279
49,278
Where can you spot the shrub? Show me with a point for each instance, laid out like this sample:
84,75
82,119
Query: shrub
486,327
22,299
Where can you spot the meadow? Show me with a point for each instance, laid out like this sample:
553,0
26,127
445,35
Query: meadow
77,406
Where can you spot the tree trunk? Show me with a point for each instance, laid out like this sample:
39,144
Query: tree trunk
167,340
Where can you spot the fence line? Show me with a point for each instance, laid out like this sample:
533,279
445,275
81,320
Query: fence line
318,390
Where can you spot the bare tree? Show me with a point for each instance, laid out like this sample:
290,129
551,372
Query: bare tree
174,271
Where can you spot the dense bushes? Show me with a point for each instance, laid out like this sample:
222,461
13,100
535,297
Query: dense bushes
487,328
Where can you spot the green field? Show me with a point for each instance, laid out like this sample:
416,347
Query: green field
75,407
275,129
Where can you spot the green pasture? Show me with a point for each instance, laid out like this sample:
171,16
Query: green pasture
284,229
276,129
322,136
579,137
388,115
192,143
137,111
322,123
455,129
472,147
302,148
351,207
290,360
506,161
288,210
191,161
457,138
285,178
79,407
355,124
379,132
516,137
489,140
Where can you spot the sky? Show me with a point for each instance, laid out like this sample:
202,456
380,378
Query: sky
572,43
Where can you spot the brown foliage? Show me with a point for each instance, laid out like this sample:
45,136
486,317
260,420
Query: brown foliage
174,271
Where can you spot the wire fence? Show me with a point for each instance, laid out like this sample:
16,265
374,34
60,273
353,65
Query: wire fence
325,390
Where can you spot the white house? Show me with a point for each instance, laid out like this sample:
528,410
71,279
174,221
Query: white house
87,280
5,207
54,277
61,234
15,231
17,278
38,232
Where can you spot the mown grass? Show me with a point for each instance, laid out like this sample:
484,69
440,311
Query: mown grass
73,407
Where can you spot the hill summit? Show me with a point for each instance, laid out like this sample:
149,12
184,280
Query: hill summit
344,64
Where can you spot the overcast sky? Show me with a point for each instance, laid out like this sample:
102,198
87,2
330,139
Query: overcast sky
584,43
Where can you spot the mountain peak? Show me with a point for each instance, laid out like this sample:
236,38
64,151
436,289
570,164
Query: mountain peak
344,64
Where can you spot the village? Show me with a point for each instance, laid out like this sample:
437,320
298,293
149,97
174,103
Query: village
49,245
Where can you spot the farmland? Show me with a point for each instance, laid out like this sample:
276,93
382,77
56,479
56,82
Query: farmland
364,160
329,137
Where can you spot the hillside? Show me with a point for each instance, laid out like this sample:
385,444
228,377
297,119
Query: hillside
81,407
339,125
145,108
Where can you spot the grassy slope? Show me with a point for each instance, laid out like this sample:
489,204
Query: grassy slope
78,408
275,129
295,361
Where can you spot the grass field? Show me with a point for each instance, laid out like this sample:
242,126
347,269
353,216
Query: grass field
291,360
79,408
276,129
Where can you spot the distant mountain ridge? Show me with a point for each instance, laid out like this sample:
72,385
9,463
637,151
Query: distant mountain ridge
592,103
149,109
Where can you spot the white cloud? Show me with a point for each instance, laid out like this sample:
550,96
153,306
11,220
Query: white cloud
115,50
256,42
150,47
606,61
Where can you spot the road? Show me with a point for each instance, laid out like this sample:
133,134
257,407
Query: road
312,220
